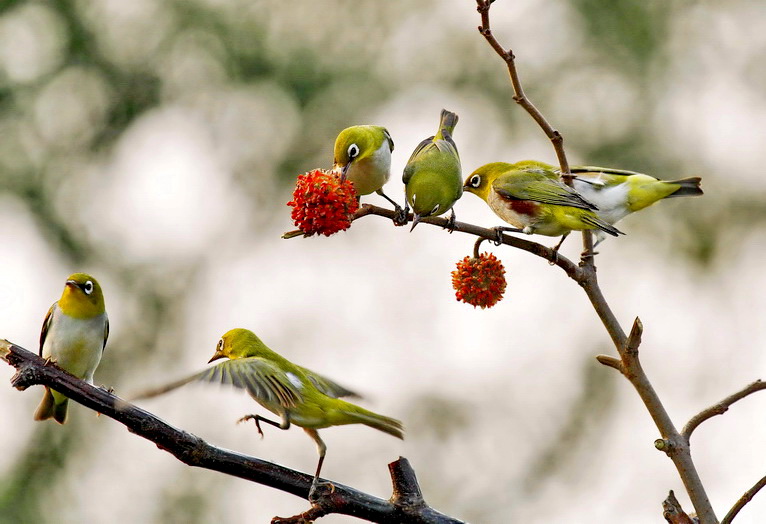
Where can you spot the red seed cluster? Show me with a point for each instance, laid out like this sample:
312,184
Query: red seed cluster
479,281
322,203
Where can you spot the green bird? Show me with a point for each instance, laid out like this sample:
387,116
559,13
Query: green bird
295,394
432,178
530,197
73,336
362,155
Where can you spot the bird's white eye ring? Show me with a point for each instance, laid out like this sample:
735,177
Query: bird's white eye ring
474,181
220,345
353,151
88,287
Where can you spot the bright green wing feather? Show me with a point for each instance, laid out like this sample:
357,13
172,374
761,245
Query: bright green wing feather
538,187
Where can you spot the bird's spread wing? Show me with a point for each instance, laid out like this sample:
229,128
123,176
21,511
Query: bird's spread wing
46,327
262,379
539,189
327,386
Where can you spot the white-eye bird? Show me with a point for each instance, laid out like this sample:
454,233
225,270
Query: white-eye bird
530,197
73,337
432,178
295,394
362,154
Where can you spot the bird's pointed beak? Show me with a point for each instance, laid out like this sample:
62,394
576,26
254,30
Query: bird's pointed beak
341,170
72,283
415,221
216,356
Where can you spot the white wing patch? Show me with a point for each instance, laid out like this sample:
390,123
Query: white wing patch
294,380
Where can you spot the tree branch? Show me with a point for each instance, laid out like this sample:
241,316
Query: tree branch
744,499
721,407
193,451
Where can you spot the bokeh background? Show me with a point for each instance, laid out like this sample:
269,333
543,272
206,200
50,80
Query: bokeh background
154,143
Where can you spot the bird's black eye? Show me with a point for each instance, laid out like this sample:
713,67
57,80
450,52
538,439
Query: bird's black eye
353,151
88,287
474,181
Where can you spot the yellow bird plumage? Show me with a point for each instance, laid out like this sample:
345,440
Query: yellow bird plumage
295,394
530,197
432,177
362,154
73,336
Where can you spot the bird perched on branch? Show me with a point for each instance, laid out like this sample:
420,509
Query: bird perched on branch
432,177
73,337
362,155
529,196
295,394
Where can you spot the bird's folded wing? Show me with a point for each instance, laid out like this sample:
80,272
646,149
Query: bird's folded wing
422,148
544,190
605,170
327,386
46,327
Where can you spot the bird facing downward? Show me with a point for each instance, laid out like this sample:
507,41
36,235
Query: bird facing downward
73,336
432,177
295,394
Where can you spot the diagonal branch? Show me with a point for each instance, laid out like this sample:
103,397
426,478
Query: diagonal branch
192,450
744,499
721,407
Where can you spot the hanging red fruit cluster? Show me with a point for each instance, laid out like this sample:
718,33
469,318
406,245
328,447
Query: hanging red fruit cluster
322,203
479,281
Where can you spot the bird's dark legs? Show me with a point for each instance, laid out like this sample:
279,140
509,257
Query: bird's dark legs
322,450
451,222
499,230
285,424
400,218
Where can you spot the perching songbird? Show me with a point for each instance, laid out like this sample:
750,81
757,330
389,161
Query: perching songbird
363,155
295,394
73,337
530,197
432,178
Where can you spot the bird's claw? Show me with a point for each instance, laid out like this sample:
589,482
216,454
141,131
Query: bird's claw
498,240
320,490
451,223
257,423
400,215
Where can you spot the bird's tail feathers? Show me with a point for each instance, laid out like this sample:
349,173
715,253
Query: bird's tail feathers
603,226
49,409
446,124
689,187
381,423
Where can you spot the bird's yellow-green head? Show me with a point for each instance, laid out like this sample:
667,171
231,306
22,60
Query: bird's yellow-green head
239,343
82,297
480,181
357,143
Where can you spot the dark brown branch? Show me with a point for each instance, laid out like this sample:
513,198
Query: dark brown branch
673,512
744,499
193,451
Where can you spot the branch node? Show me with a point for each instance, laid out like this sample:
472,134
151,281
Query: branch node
634,339
664,445
406,494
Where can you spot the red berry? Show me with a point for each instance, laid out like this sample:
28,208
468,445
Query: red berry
479,281
322,203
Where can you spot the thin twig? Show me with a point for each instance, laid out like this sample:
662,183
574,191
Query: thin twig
744,499
193,451
721,407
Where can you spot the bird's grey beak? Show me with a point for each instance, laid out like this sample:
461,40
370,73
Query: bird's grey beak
72,283
343,170
415,221
217,355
